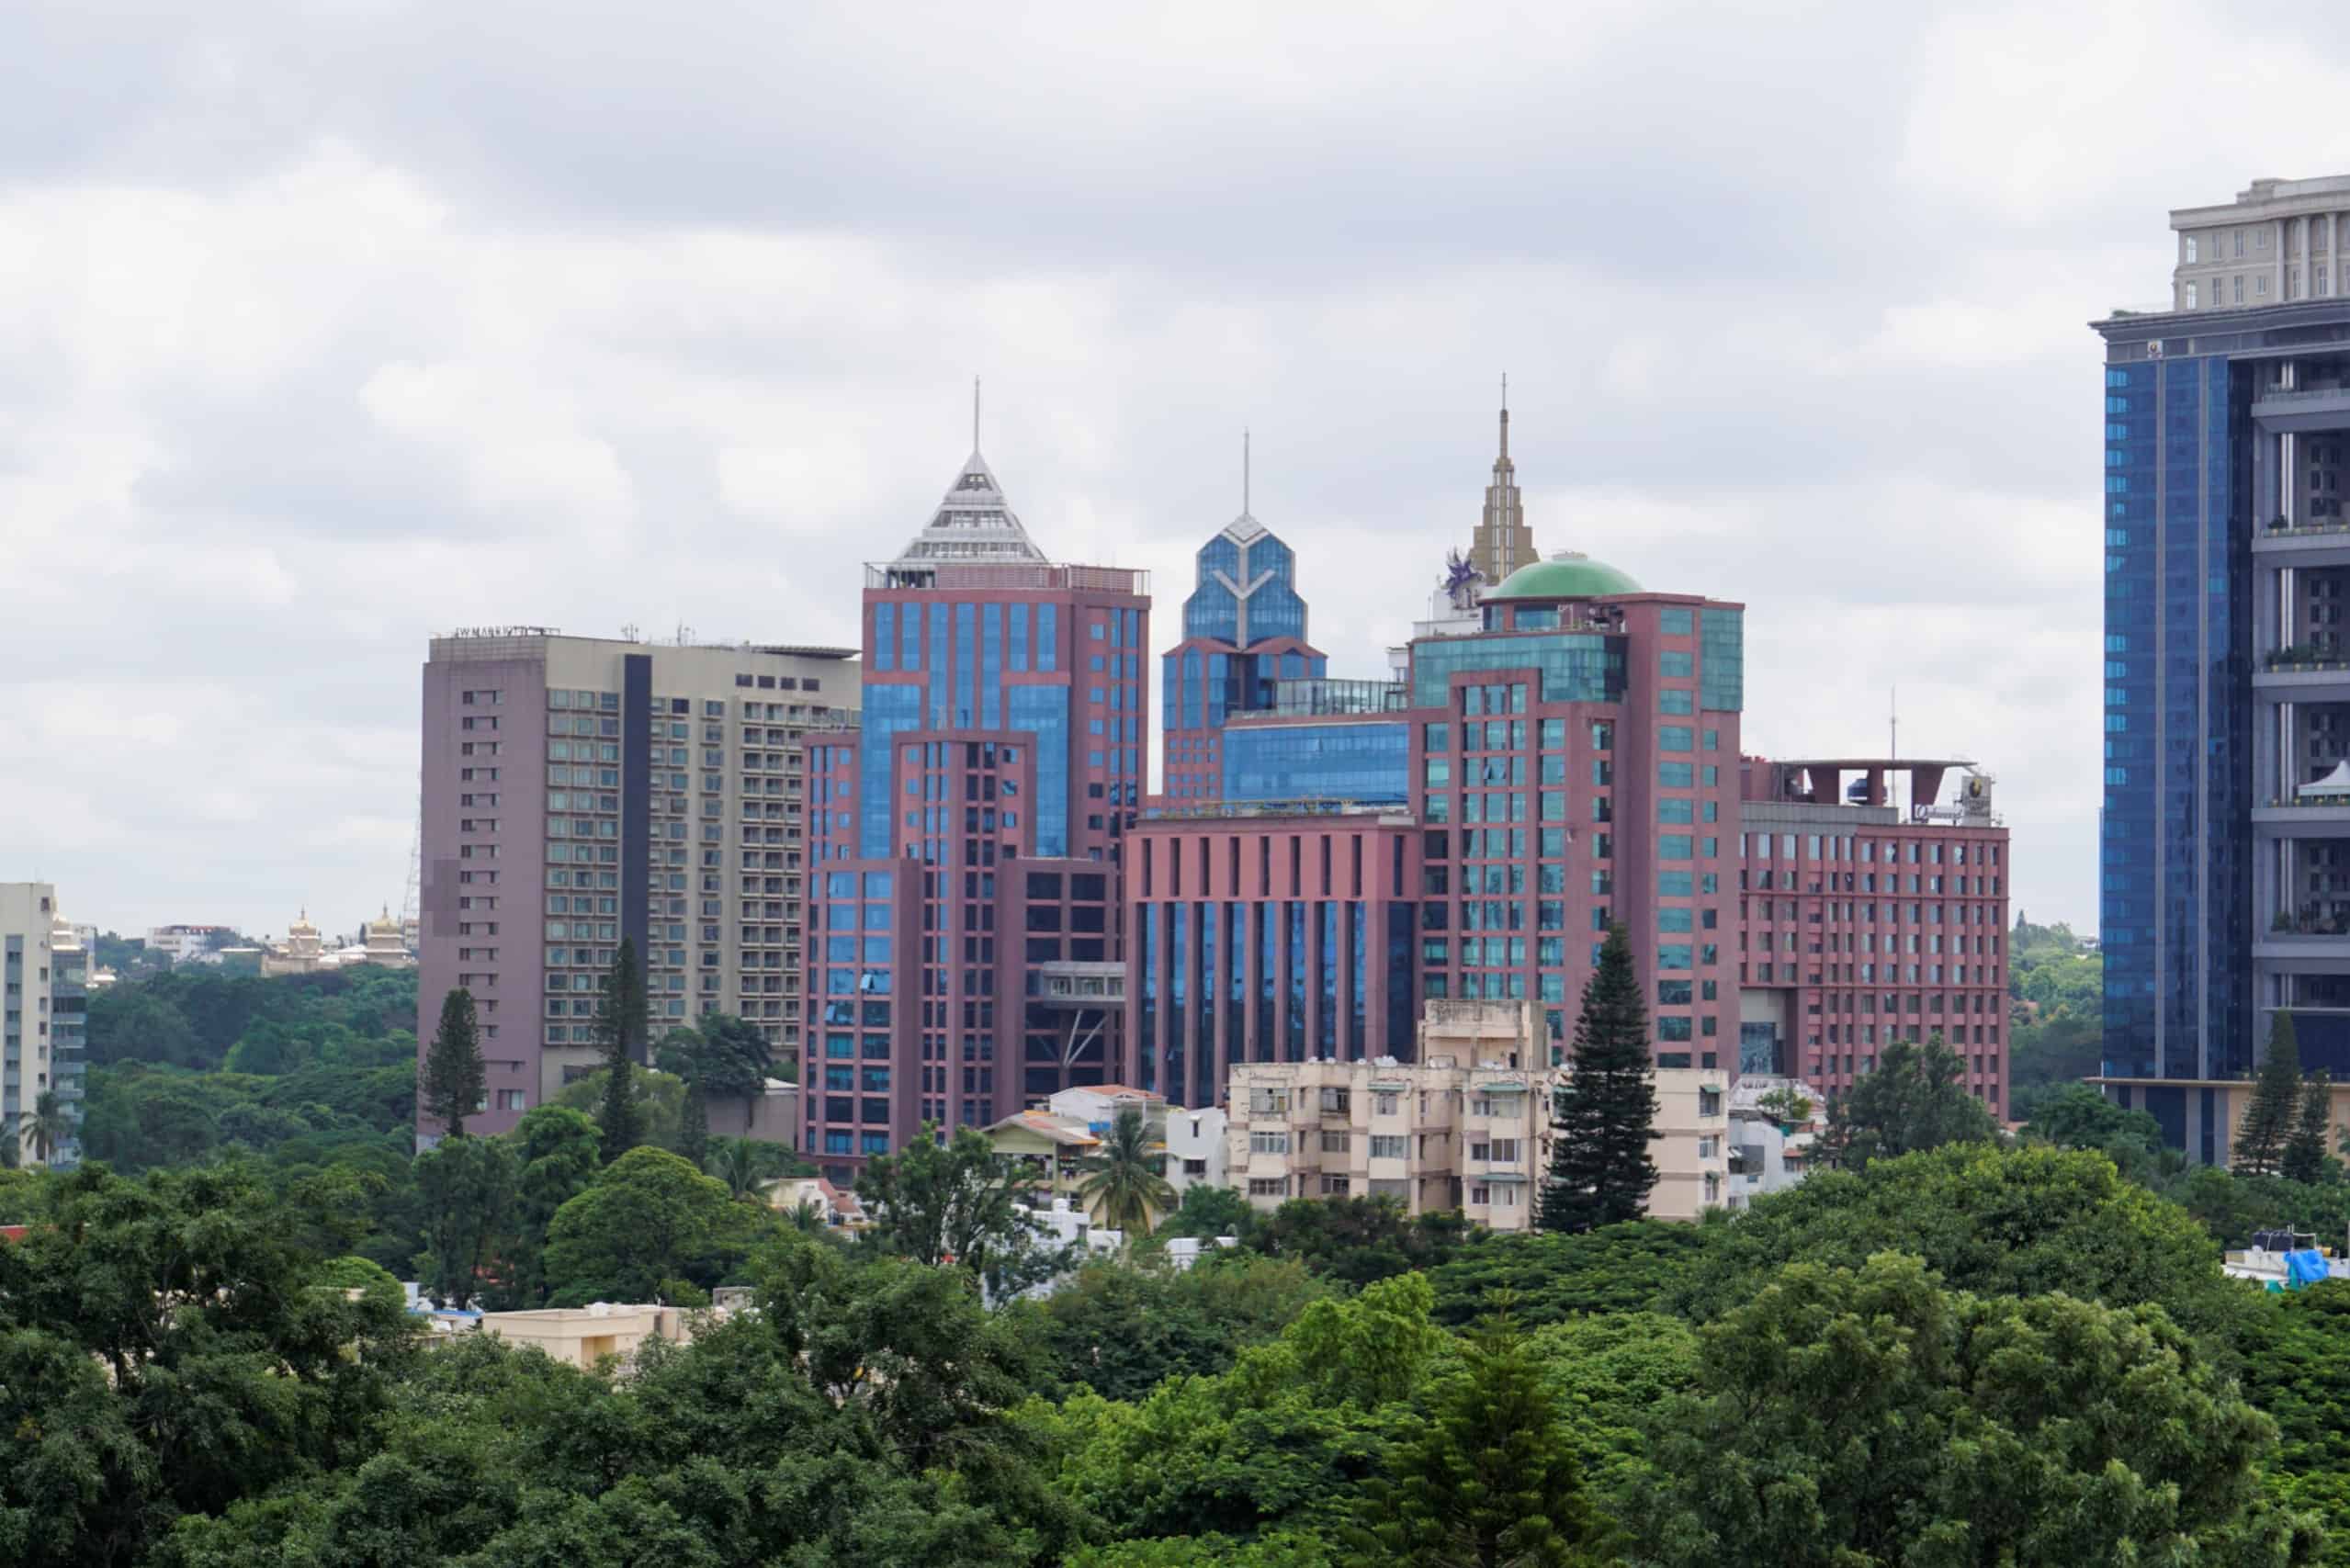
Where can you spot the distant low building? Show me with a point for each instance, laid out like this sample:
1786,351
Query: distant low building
1053,1141
836,1207
583,1336
1466,1126
182,944
1771,1149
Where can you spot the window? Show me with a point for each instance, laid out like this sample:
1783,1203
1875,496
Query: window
1336,1142
1260,1143
1389,1146
1268,1187
1337,1101
1390,1104
2193,247
2191,301
1336,1186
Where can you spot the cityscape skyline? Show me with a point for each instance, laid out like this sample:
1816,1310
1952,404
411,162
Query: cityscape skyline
287,403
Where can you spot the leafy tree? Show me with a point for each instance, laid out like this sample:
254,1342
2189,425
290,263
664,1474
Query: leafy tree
1357,1240
1553,1276
1605,1118
1206,1211
650,1228
1847,1416
2005,1222
694,1126
940,1202
557,1149
732,1059
351,1274
1490,1480
1121,1186
2259,1145
2078,1117
163,1353
468,1188
2306,1157
1122,1330
455,1081
620,1030
658,1097
1915,1100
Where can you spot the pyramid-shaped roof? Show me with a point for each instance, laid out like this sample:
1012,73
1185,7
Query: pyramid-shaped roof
973,523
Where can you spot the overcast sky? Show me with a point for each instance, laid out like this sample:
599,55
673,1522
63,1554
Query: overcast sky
325,325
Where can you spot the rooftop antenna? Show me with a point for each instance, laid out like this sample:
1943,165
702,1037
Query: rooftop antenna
1244,470
1504,414
1892,722
975,413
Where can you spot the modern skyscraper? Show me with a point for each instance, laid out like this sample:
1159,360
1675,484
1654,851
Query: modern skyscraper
43,1018
1503,542
578,790
2225,845
972,834
1244,629
1557,764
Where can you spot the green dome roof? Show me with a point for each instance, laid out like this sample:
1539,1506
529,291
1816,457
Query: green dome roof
1563,576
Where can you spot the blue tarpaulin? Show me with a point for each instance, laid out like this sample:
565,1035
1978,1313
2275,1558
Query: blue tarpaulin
2306,1267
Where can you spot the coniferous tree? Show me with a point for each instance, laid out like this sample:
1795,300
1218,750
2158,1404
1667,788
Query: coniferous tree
620,1029
454,1080
1492,1477
1605,1118
693,1124
2307,1155
2275,1094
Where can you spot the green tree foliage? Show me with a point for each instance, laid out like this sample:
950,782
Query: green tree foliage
196,1018
620,1031
659,1100
1121,1187
1489,1479
2078,1117
163,1352
1848,1418
1610,1374
2308,1156
1915,1100
1605,1118
746,1165
46,1126
467,1186
1122,1330
957,1202
2007,1222
649,1227
2258,1149
1639,1266
1210,1210
559,1150
1278,1445
2055,1038
2296,1366
454,1081
1357,1240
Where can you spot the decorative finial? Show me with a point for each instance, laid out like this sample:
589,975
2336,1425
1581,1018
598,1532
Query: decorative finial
1504,414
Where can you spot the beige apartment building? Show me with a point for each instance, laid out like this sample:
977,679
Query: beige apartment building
1466,1126
578,790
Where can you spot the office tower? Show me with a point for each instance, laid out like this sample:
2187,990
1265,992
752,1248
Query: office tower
1244,630
44,1020
2225,842
972,834
1867,918
578,790
1503,542
1566,758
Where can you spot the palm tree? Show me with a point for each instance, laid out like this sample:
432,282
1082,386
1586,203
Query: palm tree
1121,1184
46,1126
806,1216
741,1162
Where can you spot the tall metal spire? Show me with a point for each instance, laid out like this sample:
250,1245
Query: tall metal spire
975,413
1244,470
1502,542
1504,414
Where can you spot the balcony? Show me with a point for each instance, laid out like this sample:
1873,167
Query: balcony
2302,408
1071,983
2303,674
2303,816
2316,543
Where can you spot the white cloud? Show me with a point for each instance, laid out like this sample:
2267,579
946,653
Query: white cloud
317,336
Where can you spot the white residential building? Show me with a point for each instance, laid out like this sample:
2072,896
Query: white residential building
1770,1148
43,1016
1467,1126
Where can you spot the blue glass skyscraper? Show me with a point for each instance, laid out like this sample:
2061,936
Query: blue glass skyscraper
2224,853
